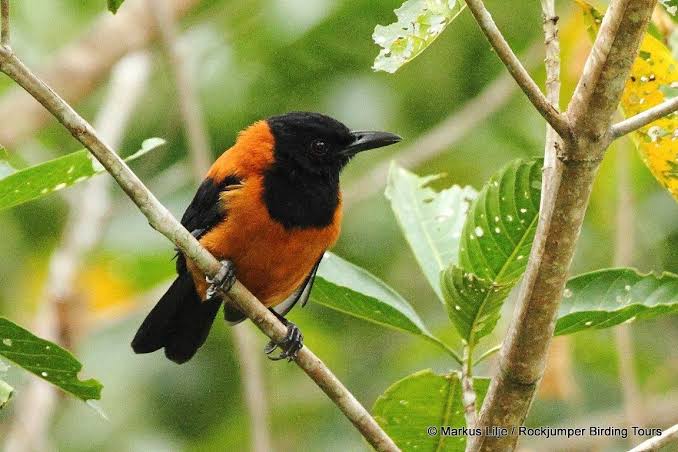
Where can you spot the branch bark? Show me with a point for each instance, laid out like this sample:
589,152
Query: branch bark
564,201
88,213
667,437
78,69
162,220
556,119
642,119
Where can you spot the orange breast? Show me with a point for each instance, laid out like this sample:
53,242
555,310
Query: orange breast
270,260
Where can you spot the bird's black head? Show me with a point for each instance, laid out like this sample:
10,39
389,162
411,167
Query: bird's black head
319,144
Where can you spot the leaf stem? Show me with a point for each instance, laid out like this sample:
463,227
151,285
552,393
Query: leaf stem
487,354
468,394
449,350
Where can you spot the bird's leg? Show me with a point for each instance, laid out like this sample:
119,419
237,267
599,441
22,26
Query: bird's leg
290,346
222,281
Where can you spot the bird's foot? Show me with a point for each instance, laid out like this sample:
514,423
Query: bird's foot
289,346
222,281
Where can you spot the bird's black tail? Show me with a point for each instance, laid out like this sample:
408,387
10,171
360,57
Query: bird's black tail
180,322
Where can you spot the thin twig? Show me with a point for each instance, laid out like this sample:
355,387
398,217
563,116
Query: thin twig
83,65
4,22
557,120
199,151
623,257
446,134
191,113
642,119
563,206
88,214
667,437
162,220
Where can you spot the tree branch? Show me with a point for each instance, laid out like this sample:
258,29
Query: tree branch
667,437
565,197
468,394
162,220
557,120
88,213
4,22
199,150
642,119
79,68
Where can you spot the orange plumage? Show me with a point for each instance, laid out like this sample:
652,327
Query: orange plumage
269,207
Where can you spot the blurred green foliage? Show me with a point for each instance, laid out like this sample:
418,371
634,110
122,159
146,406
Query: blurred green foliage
257,58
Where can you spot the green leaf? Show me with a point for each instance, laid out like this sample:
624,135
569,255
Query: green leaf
432,222
422,400
40,180
5,167
495,245
113,5
46,360
419,23
344,287
474,304
6,392
671,7
608,297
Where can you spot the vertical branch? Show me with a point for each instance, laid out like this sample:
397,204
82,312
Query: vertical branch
623,257
563,206
88,215
199,149
4,22
191,113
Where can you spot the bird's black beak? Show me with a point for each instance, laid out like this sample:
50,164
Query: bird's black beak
363,141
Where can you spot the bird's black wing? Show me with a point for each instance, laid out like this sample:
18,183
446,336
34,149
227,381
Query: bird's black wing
234,316
206,210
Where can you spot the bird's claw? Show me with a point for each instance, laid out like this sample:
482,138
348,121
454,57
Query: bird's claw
222,281
289,346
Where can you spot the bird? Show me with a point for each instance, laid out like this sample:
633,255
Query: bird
268,209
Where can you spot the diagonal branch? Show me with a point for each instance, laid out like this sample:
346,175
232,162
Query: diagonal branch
642,119
251,374
162,220
667,437
557,120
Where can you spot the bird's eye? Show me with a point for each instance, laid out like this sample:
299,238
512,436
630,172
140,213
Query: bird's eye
318,147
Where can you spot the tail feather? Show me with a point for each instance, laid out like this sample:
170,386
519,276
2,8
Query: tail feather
180,322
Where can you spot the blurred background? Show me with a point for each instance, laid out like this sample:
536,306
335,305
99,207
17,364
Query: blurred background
247,60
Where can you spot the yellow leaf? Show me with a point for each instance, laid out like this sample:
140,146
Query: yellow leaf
654,78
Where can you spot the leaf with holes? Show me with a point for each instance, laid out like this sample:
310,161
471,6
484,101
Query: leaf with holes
40,180
422,400
653,79
349,289
606,298
419,23
431,221
46,360
495,245
6,392
114,5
